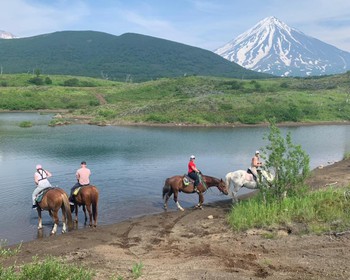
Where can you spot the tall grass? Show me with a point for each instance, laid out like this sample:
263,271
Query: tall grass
7,252
320,211
50,268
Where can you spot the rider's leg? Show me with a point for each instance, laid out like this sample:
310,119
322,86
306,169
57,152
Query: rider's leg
71,197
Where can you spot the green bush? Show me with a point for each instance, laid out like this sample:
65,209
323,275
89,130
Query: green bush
74,82
48,81
289,163
26,124
36,81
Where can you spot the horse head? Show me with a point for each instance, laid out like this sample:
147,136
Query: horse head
267,176
222,186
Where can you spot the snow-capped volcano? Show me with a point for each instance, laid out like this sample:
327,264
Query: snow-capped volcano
273,47
6,35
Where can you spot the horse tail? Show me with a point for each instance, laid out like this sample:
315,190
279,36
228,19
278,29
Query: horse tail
94,202
66,206
166,188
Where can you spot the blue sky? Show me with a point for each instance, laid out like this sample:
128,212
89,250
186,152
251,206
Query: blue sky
206,24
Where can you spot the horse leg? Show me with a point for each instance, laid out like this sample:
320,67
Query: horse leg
166,198
40,220
234,194
56,221
84,210
64,228
76,212
177,202
200,201
88,207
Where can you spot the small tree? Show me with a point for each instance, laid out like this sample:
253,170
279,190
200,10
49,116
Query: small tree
288,161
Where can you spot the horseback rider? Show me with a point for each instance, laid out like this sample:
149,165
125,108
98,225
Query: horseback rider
193,172
83,177
41,182
256,166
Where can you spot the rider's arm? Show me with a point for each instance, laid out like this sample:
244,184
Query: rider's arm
48,174
36,179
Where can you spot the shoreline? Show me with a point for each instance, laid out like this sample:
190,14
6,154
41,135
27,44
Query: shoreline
64,114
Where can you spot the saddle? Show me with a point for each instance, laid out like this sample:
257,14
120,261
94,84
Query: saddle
254,177
41,194
187,180
76,191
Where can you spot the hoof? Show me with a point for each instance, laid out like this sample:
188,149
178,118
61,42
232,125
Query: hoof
63,231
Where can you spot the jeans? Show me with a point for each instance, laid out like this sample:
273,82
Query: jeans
193,175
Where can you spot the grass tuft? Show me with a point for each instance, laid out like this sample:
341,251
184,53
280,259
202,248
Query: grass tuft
319,211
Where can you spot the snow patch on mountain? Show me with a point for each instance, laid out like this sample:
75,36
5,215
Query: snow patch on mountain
6,35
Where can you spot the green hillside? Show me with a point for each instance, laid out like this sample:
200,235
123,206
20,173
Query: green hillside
129,57
181,101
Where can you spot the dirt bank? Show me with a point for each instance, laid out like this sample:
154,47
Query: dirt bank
198,244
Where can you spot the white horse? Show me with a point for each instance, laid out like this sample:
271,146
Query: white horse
241,178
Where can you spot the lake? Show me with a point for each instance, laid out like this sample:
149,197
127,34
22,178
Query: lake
130,164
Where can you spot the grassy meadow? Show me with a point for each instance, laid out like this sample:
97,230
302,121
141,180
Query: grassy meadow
186,100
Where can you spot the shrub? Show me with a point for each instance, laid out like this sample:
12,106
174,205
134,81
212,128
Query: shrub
288,161
74,82
26,124
36,81
48,81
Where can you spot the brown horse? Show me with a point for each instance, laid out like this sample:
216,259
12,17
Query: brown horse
87,197
52,201
175,184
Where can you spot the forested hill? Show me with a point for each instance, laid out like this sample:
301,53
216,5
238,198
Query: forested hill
129,57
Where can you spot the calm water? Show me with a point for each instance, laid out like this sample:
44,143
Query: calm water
129,164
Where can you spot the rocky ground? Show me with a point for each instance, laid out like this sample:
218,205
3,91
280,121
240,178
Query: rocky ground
198,244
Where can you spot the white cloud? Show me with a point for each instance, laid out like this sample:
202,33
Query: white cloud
28,19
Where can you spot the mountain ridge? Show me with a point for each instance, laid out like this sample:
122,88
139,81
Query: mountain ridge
271,46
130,56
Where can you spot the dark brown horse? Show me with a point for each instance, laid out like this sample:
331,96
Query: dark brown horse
88,198
175,184
54,200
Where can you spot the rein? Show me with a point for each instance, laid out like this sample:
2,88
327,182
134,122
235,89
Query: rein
203,182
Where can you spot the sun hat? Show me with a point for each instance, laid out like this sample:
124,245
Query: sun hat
38,166
257,152
192,157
